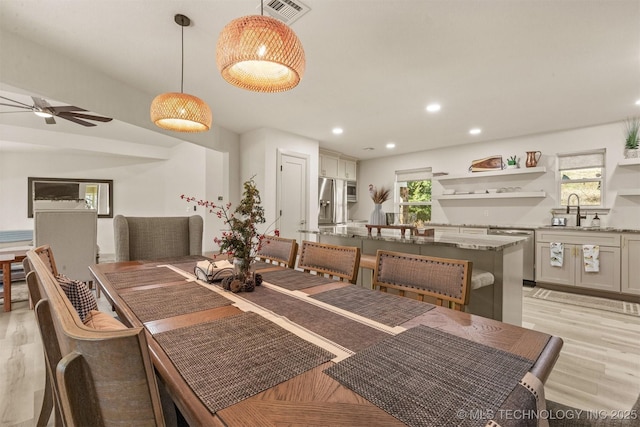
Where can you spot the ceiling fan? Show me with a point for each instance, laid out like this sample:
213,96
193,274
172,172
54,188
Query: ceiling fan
42,108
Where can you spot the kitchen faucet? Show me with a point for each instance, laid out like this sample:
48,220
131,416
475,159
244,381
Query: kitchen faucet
578,216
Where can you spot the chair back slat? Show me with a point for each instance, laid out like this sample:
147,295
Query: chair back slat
278,250
444,279
339,262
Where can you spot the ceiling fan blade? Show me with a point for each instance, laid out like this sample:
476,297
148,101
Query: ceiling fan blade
17,102
40,103
65,109
11,112
87,117
16,106
74,120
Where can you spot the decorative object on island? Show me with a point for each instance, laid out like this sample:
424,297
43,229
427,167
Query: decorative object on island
533,157
491,163
260,53
242,241
181,112
632,138
512,162
379,197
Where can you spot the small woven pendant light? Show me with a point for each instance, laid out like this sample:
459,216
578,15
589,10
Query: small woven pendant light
181,112
261,54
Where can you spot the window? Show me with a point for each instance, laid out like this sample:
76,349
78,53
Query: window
413,195
582,174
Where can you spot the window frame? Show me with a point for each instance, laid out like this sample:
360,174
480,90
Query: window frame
582,164
402,177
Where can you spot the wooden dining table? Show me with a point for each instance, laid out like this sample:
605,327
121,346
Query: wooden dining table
304,350
6,259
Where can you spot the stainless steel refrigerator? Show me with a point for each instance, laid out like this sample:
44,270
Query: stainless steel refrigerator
332,201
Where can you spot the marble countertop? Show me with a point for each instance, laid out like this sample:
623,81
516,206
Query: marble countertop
479,242
526,227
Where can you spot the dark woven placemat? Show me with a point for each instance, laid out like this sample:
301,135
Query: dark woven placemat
140,277
348,333
294,280
169,301
388,309
230,359
426,377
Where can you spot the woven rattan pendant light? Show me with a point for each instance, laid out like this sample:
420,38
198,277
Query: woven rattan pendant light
260,53
181,112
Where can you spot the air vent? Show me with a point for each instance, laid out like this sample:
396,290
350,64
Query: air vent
287,11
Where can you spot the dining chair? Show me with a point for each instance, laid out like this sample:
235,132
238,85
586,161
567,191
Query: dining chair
149,238
278,250
337,262
446,280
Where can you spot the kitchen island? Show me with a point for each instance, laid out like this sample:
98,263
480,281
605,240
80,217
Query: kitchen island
500,255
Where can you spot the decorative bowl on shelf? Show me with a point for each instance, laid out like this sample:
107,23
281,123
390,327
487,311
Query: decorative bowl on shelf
448,192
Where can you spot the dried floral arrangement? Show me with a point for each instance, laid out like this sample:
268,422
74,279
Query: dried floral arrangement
379,196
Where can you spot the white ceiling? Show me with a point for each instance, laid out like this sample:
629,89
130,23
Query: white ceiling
510,67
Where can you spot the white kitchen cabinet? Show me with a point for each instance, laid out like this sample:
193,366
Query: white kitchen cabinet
443,228
347,169
473,230
572,272
631,263
328,166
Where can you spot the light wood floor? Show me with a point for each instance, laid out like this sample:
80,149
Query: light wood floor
598,369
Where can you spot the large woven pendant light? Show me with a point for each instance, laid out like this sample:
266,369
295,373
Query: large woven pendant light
260,53
181,112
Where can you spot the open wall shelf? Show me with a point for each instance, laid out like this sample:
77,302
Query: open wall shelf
514,195
501,173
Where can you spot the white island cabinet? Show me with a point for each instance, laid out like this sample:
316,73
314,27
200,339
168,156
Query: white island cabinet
572,272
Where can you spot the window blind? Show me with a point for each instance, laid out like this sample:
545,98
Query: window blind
591,159
420,174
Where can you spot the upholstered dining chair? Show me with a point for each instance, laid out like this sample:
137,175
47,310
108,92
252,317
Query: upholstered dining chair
446,280
149,238
278,250
337,262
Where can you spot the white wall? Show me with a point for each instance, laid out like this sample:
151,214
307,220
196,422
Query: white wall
624,211
259,157
142,187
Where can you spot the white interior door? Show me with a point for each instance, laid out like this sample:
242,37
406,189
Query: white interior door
292,194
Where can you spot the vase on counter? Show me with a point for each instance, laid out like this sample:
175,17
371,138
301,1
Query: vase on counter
377,216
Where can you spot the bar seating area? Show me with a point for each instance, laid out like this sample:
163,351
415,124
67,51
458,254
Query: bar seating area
299,347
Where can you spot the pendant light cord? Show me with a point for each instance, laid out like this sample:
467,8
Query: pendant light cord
262,7
182,62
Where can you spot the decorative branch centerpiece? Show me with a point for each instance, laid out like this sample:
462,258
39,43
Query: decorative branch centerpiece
379,196
242,241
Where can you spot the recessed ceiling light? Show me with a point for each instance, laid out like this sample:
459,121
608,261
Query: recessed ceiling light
432,108
368,148
337,131
390,145
638,102
475,131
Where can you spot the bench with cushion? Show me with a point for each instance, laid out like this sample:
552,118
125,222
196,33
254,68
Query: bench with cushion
99,371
